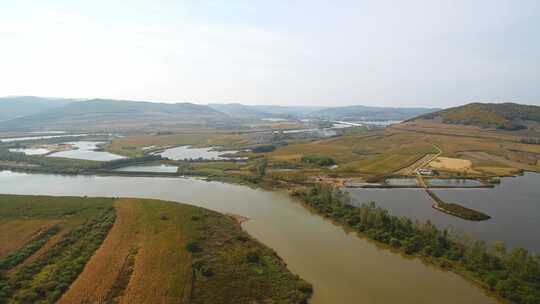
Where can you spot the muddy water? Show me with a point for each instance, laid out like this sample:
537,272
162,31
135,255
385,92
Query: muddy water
342,267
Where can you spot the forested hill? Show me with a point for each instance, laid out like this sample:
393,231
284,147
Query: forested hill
506,116
104,114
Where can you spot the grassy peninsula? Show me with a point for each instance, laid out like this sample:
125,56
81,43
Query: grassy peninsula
54,249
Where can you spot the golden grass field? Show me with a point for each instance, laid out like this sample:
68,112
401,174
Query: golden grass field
451,164
399,149
17,232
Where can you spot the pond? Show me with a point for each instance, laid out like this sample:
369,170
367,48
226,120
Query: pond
161,168
514,206
342,267
187,152
402,182
453,182
86,150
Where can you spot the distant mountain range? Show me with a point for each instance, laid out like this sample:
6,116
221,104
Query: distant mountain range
348,113
41,114
505,116
20,106
104,114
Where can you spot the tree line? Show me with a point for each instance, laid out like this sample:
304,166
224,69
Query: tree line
513,275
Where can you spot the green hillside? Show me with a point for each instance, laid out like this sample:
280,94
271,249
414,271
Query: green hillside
506,116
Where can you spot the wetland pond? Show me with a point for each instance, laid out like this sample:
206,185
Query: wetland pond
342,267
86,150
187,152
514,207
453,182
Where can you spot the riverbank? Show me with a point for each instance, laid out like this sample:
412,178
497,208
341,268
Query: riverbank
496,272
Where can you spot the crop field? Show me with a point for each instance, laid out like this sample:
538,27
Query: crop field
400,149
366,153
16,233
103,250
66,232
397,150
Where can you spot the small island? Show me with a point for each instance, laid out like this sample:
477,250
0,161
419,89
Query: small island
457,210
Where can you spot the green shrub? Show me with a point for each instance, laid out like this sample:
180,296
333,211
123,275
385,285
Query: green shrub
319,160
193,247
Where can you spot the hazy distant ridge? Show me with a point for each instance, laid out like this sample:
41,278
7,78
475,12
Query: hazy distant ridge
19,106
106,114
37,113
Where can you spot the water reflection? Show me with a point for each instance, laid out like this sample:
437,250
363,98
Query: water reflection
86,150
514,206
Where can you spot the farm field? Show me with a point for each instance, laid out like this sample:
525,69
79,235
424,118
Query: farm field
399,150
104,250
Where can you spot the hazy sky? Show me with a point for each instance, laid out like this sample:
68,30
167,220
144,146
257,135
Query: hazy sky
388,53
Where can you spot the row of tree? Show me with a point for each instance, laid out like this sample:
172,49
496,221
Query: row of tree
513,275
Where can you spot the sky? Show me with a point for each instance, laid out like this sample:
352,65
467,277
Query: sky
432,53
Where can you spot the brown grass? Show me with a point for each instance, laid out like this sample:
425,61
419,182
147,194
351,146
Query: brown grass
162,268
452,164
101,272
16,233
162,271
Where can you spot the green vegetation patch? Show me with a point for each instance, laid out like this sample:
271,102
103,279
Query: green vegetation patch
319,160
231,267
48,207
463,212
457,210
263,148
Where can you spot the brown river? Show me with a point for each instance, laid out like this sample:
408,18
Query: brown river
342,267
